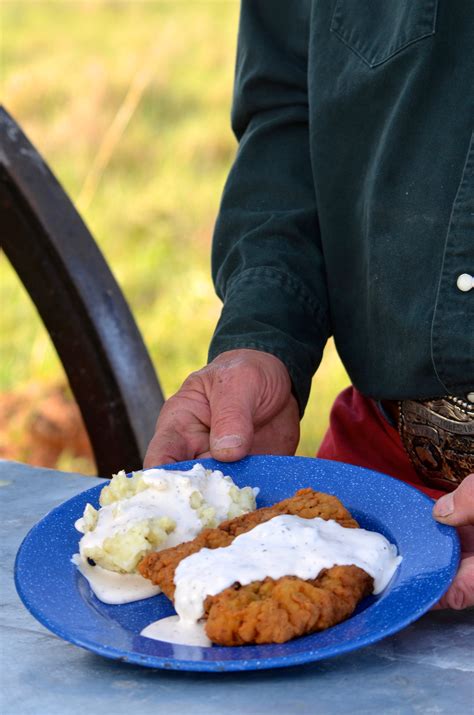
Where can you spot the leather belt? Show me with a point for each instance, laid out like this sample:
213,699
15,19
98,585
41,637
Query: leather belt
438,436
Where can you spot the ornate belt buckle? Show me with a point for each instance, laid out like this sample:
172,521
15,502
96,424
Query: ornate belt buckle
438,436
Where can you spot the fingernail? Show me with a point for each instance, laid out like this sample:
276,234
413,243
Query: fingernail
229,441
444,506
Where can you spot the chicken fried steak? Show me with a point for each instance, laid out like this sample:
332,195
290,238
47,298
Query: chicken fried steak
270,611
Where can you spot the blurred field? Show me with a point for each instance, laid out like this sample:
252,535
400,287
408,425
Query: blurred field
129,104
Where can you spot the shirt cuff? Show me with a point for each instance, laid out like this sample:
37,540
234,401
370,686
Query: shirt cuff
268,310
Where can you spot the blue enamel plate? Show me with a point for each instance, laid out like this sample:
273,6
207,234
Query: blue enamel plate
60,598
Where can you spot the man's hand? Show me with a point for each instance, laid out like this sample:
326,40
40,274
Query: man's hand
239,404
457,509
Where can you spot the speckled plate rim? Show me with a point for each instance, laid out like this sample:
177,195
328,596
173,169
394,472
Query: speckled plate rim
431,555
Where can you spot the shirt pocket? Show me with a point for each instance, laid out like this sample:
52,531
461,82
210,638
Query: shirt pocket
376,30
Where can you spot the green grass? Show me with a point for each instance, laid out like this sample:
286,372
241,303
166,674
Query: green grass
69,71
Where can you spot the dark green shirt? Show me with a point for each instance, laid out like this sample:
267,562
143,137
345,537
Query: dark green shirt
350,206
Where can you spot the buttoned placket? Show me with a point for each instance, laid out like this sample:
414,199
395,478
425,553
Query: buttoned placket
454,362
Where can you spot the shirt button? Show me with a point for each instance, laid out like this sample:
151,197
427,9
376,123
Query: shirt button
465,282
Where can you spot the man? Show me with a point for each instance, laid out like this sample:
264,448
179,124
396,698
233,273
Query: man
349,211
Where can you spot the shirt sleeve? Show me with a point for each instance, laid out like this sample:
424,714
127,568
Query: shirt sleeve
267,260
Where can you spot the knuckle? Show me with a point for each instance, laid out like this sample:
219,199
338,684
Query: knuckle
173,417
234,365
460,595
169,409
194,377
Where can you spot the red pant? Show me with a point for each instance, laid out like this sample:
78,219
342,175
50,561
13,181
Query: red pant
359,434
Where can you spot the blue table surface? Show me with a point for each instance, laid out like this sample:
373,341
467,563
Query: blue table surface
426,668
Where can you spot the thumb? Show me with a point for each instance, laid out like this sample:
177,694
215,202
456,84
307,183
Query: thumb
457,508
232,428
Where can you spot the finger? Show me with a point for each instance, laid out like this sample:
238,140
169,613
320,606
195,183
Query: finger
232,429
457,508
204,455
166,447
461,592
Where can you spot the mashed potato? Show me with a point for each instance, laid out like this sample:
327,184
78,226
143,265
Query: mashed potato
156,509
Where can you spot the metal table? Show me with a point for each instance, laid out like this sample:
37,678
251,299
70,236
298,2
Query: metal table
426,668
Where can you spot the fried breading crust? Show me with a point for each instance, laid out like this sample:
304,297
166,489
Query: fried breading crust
160,566
272,611
269,611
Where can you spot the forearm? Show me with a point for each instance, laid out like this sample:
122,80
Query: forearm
267,259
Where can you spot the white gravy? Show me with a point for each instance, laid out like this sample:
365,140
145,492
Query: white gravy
283,546
173,630
115,588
